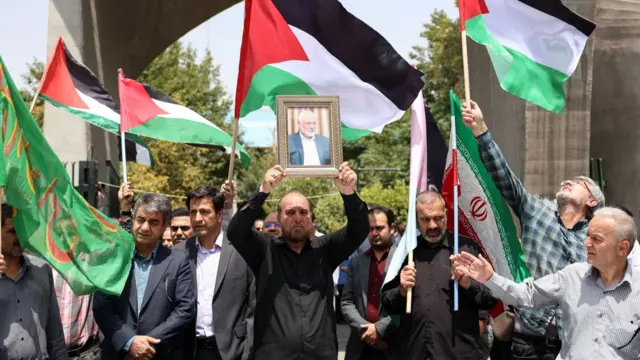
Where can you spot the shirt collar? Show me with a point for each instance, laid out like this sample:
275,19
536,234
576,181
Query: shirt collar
578,226
151,257
217,245
594,273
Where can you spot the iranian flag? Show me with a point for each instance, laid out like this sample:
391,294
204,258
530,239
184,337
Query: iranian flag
146,111
316,47
69,85
534,45
482,213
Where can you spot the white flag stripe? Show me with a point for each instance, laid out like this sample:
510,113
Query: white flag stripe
417,183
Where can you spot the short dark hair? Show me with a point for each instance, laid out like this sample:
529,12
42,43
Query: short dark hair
377,209
207,192
7,212
180,212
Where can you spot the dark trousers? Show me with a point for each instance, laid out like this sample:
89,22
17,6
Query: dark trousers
524,347
207,349
89,351
369,353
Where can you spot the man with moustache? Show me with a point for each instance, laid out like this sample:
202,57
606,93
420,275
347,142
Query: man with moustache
371,328
553,236
294,316
433,330
306,147
181,229
271,226
149,318
223,327
30,325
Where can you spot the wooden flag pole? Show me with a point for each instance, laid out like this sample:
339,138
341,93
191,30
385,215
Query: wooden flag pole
465,66
233,148
124,157
410,290
33,102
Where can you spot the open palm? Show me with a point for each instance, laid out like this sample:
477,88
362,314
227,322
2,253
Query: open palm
477,268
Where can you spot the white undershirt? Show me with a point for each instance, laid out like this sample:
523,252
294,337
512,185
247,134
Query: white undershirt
310,151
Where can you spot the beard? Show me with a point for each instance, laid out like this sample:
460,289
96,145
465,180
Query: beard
296,235
381,244
308,134
563,200
434,239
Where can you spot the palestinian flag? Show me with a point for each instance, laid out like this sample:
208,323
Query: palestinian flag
534,45
71,86
134,152
482,213
146,111
316,47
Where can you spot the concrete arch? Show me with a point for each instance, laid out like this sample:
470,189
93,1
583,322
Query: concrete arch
105,36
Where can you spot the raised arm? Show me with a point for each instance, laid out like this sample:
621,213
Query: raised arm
505,180
540,293
230,206
251,245
344,242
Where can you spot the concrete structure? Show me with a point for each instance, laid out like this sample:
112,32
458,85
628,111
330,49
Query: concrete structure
105,36
600,119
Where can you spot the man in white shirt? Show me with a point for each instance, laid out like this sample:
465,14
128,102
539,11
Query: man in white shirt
306,147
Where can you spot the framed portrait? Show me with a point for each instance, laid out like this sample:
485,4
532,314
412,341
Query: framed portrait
309,135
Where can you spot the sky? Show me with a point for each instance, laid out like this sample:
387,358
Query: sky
399,21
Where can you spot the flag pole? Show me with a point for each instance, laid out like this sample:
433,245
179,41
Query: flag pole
454,146
410,290
124,157
233,148
465,66
33,102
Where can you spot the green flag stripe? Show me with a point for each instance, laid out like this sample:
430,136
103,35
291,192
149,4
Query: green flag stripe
517,73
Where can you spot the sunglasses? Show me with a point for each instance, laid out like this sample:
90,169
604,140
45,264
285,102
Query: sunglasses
272,225
183,228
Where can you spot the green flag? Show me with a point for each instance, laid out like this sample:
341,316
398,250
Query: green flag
52,220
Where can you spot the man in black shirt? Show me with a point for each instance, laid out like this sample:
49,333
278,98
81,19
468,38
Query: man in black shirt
294,316
433,330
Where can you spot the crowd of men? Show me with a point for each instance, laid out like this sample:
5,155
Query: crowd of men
214,281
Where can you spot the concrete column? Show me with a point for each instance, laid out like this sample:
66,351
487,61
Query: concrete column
615,106
541,147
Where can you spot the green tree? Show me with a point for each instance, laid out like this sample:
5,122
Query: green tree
195,84
32,77
441,62
330,209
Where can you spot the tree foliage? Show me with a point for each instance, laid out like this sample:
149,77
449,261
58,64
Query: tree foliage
195,84
441,62
32,77
330,209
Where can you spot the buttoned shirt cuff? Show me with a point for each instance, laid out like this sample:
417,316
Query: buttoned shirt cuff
498,285
127,346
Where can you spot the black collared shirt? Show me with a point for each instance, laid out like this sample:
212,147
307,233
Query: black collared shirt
294,317
433,330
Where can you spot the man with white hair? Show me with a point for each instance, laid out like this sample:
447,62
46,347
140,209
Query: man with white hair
306,147
600,299
553,236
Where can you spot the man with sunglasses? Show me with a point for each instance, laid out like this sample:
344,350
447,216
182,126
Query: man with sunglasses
271,226
180,226
553,235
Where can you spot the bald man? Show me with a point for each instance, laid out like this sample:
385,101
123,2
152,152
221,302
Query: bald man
294,316
306,147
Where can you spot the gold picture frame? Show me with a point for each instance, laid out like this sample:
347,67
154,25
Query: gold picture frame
308,122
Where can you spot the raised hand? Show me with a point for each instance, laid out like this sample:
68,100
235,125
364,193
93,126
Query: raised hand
229,191
272,179
125,197
472,117
463,280
477,268
346,179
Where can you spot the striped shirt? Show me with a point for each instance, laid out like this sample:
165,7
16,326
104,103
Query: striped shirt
75,312
548,245
600,323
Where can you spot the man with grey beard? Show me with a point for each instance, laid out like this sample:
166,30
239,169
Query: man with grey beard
433,330
553,236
